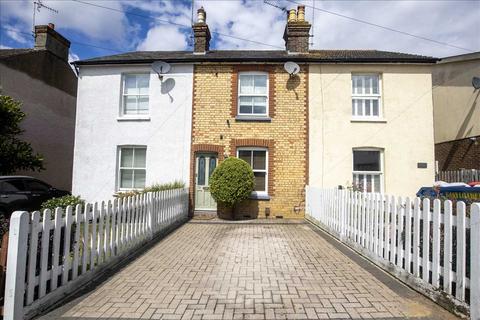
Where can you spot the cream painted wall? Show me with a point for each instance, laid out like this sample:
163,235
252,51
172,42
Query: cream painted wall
405,135
456,102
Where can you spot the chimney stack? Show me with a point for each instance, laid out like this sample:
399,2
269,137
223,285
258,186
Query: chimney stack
297,31
46,38
201,33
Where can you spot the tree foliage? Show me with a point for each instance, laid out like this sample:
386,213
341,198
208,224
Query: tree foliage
231,182
15,154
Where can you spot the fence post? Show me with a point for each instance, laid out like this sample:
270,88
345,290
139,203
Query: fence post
474,262
16,265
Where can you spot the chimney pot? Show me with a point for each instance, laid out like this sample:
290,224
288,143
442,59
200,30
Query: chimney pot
51,26
292,15
201,15
301,13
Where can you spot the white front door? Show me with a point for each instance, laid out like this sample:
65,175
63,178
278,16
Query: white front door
205,163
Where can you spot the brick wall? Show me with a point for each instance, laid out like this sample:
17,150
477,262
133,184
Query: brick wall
214,125
458,154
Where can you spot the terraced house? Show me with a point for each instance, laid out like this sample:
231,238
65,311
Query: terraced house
298,116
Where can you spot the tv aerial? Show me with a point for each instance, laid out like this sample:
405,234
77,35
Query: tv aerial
292,68
161,68
37,5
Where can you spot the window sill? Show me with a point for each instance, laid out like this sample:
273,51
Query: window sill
247,118
259,197
379,120
133,118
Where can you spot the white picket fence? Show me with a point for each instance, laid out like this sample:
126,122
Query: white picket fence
50,258
432,247
462,175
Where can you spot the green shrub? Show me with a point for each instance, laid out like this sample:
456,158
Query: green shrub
62,202
153,188
231,182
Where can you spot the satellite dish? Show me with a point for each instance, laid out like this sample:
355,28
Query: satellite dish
161,68
291,67
476,82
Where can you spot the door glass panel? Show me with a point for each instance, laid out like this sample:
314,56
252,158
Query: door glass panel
201,171
259,181
211,166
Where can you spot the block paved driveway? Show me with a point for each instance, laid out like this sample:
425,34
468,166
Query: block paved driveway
286,270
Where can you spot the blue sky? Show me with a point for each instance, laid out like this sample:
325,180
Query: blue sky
131,25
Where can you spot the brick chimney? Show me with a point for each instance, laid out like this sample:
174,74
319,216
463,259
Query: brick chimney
297,31
46,38
201,33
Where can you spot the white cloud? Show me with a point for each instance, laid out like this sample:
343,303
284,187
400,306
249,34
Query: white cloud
5,47
164,37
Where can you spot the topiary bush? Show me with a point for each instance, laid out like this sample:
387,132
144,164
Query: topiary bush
62,202
231,182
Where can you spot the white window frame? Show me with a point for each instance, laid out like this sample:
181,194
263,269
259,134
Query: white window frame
123,95
119,166
253,73
370,174
257,193
370,96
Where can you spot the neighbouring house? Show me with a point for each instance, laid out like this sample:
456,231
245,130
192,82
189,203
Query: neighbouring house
343,117
133,126
456,111
42,79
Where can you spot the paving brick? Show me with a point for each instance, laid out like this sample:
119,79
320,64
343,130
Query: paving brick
241,271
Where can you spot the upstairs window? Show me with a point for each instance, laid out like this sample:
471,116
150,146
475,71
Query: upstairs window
132,168
253,93
368,170
135,94
366,97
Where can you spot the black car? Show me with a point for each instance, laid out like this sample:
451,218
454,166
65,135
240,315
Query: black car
24,193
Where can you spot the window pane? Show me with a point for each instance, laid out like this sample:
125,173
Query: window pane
375,108
211,166
140,158
376,183
375,86
366,160
130,104
246,104
143,104
368,85
259,181
245,155
367,107
126,178
260,110
359,104
259,160
201,171
127,157
260,105
261,84
246,84
143,82
139,179
130,84
354,106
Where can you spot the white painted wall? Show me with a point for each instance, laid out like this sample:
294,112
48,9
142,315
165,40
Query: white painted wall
406,135
99,132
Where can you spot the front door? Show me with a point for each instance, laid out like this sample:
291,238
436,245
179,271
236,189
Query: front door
205,163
